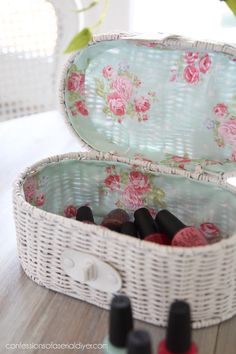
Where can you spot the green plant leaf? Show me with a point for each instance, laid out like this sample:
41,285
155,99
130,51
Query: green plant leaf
86,8
102,15
79,41
232,5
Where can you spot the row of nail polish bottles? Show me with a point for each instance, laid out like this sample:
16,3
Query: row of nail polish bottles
166,229
123,339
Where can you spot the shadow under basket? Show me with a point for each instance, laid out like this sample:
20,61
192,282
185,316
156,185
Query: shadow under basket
117,113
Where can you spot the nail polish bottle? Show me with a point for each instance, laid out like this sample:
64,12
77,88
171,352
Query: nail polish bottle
85,215
147,228
139,342
179,234
129,228
115,219
178,338
121,323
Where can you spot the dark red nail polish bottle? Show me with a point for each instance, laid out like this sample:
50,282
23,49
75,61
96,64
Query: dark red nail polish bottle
179,234
115,219
178,338
85,215
147,228
139,342
129,228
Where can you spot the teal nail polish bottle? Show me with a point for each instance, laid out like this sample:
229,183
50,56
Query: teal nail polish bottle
120,324
139,342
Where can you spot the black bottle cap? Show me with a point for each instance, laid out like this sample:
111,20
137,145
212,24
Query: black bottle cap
84,213
129,228
178,339
115,219
144,223
121,321
168,223
139,342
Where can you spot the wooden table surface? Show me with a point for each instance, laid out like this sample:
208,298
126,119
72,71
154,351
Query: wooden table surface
30,314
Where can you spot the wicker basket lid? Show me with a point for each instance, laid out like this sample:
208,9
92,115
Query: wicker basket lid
168,100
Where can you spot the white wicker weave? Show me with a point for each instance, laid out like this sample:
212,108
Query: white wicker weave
31,53
152,275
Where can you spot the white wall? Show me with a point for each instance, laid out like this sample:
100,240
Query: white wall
197,18
117,18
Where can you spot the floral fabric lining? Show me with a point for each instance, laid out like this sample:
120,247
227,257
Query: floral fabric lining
76,92
124,95
34,189
191,67
223,126
135,188
119,89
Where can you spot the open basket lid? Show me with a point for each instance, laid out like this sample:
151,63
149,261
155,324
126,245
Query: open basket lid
170,99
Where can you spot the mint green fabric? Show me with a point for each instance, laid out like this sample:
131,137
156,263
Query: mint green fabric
138,98
104,186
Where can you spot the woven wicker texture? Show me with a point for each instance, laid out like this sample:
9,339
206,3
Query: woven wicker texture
152,275
114,101
33,35
155,98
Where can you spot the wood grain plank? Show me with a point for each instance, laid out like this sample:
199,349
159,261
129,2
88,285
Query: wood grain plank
33,314
205,338
226,340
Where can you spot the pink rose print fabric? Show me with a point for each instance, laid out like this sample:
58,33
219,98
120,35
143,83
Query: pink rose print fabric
190,57
227,130
112,182
123,87
116,104
75,82
70,211
108,71
204,63
141,104
40,199
131,199
220,110
223,125
189,164
191,74
81,108
139,181
32,190
178,161
75,90
191,68
121,90
133,189
30,187
210,230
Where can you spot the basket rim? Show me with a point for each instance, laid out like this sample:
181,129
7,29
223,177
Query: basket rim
18,197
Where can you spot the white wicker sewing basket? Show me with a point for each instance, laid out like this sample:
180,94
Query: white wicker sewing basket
159,116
